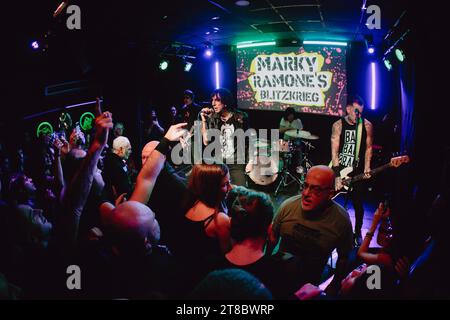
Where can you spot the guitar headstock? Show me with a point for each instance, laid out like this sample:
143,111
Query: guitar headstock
398,161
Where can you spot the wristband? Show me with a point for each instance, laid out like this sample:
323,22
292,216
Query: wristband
163,146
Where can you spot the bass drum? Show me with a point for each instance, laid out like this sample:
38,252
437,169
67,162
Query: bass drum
264,171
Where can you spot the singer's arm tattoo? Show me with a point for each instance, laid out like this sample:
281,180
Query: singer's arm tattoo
335,136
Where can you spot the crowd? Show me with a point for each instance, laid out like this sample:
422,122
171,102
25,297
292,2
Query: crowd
152,234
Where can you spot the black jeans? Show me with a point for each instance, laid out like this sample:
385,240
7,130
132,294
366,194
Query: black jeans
356,195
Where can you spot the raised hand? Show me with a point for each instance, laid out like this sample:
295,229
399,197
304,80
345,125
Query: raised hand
103,123
98,107
176,131
381,213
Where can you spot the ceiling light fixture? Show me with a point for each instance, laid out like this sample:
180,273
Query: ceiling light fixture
242,3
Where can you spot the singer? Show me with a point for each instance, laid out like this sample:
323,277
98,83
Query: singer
351,146
224,117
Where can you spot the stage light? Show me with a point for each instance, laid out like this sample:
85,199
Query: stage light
374,85
35,45
330,43
242,3
217,69
164,65
188,66
400,55
387,64
250,44
371,50
208,53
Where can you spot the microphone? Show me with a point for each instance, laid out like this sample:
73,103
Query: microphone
358,115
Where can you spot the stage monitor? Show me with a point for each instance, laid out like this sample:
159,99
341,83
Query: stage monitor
310,79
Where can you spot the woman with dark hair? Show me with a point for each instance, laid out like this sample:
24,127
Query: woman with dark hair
205,228
224,117
251,220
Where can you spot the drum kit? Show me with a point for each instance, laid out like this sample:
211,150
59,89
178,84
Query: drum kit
293,162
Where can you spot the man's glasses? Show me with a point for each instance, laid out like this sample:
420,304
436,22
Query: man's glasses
317,190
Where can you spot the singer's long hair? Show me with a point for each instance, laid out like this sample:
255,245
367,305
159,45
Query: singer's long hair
225,96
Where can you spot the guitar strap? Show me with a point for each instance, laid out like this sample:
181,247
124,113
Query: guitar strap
358,142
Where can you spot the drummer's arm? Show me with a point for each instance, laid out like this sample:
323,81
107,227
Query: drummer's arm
335,135
284,129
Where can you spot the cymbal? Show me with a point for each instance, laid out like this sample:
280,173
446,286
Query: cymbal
312,137
261,143
303,134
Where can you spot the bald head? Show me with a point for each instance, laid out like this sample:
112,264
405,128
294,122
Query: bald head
323,174
318,188
132,222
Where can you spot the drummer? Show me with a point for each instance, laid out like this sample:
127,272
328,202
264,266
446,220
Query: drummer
289,122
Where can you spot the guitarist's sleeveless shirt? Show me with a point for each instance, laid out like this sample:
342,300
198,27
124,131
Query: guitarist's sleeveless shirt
347,147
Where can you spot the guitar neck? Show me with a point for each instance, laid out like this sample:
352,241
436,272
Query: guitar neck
372,172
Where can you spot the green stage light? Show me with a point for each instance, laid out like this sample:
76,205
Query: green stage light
250,44
164,65
387,64
188,66
400,55
326,43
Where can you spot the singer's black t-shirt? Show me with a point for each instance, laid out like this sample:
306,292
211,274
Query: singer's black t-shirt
239,120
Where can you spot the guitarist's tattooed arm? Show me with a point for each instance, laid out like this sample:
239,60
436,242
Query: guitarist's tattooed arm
335,135
368,153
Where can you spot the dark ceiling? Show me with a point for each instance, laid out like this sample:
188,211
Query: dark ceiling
220,22
110,28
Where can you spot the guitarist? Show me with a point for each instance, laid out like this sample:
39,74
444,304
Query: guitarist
351,146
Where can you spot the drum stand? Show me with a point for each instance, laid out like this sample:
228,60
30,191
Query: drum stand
285,175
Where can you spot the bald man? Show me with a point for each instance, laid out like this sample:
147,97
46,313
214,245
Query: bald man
132,225
128,262
311,226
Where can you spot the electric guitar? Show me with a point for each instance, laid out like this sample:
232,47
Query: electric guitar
347,180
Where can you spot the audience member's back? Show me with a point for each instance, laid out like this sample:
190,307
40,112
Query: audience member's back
230,284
